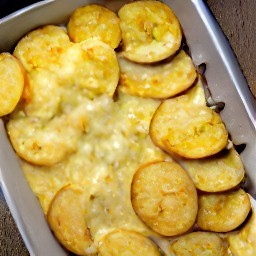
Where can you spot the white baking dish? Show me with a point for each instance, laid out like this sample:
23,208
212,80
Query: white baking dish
207,45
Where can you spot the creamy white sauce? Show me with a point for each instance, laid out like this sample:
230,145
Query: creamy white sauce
115,145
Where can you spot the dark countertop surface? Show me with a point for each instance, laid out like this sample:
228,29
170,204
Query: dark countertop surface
238,21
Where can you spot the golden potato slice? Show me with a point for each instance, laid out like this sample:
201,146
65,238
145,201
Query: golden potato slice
223,212
199,244
195,94
41,47
95,21
44,96
42,142
12,77
127,243
150,30
92,67
158,81
164,197
243,243
217,173
187,129
66,217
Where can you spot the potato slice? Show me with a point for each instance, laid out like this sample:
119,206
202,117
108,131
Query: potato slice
243,243
43,142
125,242
44,95
92,67
158,81
95,21
199,244
164,197
150,30
189,130
66,217
223,212
195,94
217,173
41,47
12,77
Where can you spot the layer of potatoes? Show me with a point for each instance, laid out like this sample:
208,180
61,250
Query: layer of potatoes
191,199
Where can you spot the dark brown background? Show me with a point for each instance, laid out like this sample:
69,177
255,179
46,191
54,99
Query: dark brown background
238,21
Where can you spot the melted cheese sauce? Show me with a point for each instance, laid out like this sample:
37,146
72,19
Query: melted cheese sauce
114,145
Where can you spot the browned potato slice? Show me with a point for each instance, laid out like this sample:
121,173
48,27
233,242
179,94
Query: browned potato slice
164,197
160,81
243,243
125,242
150,30
66,217
42,142
199,244
223,212
41,48
187,129
44,96
217,173
91,66
95,21
12,83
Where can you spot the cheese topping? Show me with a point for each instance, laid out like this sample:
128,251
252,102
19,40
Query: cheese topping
115,144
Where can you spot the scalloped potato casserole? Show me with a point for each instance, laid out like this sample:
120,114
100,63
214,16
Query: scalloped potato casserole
116,138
